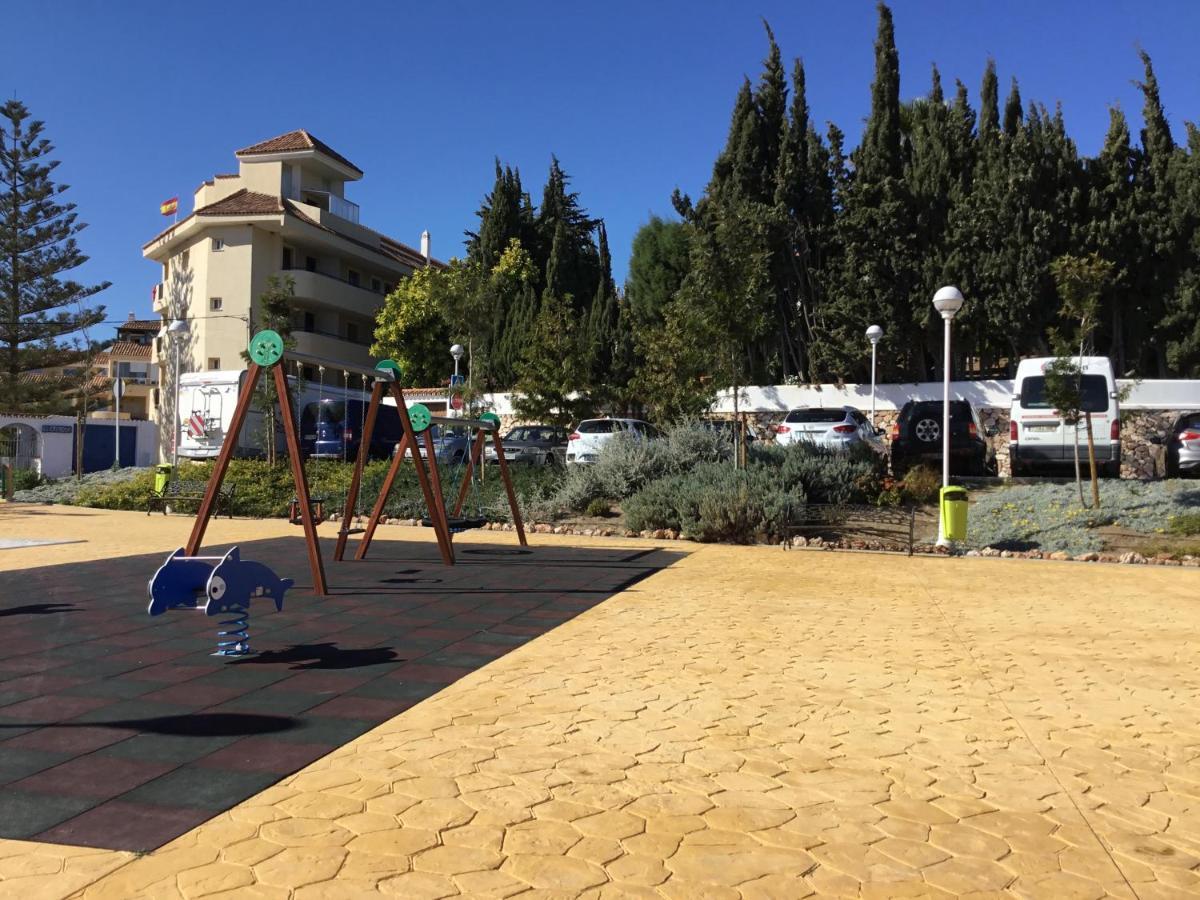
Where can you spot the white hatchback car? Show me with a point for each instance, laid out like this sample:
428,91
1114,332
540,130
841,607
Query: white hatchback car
590,435
835,429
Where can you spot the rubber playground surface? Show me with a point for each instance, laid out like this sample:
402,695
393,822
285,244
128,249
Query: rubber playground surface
595,717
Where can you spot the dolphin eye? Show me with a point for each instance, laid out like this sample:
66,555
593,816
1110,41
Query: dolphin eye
216,587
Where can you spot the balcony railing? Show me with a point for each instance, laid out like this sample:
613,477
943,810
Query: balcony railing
360,341
382,285
333,204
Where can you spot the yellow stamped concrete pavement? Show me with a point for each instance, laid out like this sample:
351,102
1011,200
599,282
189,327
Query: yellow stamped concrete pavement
751,723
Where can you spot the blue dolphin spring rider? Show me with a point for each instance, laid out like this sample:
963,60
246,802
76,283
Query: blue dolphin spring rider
217,585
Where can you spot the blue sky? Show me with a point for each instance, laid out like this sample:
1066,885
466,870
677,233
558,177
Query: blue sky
146,100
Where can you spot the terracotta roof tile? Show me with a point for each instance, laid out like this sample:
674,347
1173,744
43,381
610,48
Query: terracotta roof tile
129,349
296,140
141,325
243,203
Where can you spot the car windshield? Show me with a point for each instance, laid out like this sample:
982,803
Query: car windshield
1094,389
799,416
333,411
599,426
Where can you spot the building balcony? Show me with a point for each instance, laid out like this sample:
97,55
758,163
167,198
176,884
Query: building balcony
334,349
332,292
158,297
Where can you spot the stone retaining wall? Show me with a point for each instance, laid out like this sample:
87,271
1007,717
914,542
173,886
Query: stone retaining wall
1140,459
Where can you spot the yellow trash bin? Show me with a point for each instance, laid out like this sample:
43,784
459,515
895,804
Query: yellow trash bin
162,475
954,513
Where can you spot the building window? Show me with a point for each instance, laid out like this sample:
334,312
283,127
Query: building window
310,263
214,363
184,257
376,285
352,277
309,372
352,332
218,245
287,257
215,304
310,322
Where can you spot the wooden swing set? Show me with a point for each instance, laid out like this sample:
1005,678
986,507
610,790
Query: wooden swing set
267,351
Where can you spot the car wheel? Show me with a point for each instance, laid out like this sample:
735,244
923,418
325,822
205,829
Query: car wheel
1170,465
927,430
1110,470
549,460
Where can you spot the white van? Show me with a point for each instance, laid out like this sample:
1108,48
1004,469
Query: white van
1039,441
206,404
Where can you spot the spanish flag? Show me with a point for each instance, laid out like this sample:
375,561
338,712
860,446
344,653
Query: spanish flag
169,207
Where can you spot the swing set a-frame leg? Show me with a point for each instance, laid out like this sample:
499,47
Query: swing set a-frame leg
229,446
364,452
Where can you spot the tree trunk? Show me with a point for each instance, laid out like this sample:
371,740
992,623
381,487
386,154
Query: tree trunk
1078,475
1092,464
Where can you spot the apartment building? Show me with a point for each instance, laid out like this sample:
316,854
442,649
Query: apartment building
284,212
127,358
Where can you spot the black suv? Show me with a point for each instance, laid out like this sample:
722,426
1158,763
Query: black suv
917,439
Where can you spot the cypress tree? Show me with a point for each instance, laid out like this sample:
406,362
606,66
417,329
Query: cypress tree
1012,111
1161,263
876,229
39,305
989,100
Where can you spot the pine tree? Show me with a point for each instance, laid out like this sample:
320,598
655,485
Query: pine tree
38,305
658,265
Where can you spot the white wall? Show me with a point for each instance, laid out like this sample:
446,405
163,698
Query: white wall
1147,394
54,445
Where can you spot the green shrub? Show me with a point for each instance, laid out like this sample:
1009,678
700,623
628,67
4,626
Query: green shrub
27,479
1184,523
626,464
920,485
831,476
715,502
264,491
599,508
689,444
579,487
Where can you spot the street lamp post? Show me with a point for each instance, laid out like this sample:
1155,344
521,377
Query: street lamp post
456,350
178,328
947,301
874,333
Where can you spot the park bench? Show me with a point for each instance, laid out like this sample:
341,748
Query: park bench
890,526
185,490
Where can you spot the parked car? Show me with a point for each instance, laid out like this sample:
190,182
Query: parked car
728,428
837,428
917,439
1039,440
1182,446
584,443
538,445
450,443
332,429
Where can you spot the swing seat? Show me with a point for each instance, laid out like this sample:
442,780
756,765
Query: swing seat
459,523
315,504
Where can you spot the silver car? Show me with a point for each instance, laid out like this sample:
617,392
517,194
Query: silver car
1182,446
834,428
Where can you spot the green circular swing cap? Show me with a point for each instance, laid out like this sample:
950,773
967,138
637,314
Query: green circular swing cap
490,417
389,365
266,348
419,416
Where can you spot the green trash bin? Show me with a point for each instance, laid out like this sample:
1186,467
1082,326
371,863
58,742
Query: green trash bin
954,513
162,477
